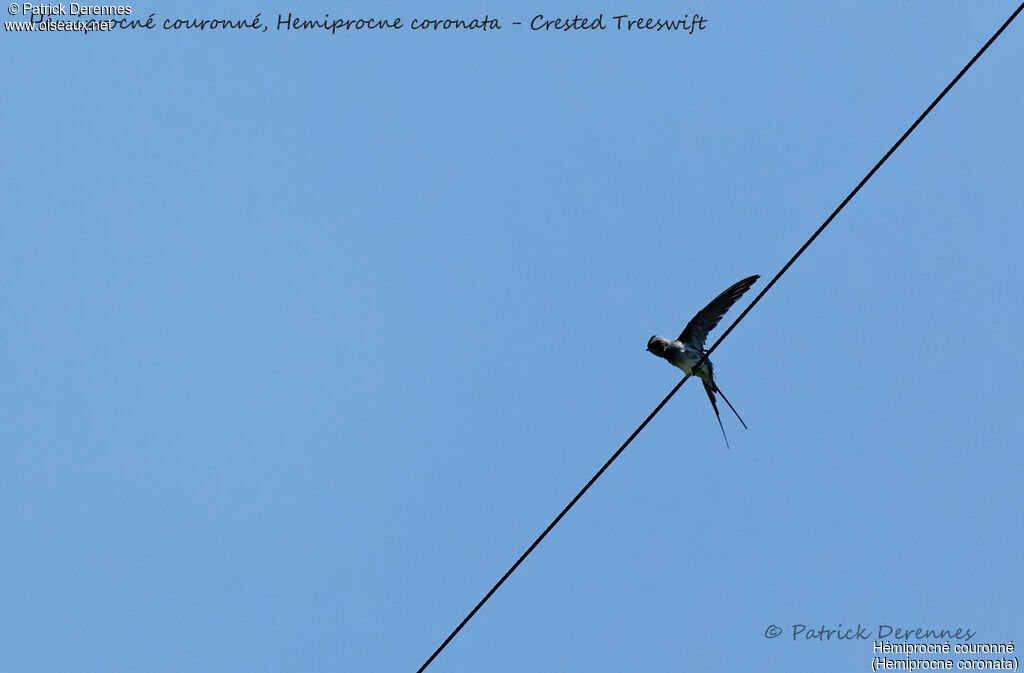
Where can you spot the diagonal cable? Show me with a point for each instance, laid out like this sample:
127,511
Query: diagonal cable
707,354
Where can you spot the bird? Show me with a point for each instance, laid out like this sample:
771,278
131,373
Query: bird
687,350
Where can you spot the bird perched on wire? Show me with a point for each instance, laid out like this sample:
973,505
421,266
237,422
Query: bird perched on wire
686,351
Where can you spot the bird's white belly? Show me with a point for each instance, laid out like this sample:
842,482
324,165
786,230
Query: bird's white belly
685,358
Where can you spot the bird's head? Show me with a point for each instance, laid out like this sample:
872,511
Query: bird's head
657,345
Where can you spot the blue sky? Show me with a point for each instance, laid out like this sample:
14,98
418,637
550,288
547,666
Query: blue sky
307,337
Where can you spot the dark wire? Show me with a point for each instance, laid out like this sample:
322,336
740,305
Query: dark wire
729,329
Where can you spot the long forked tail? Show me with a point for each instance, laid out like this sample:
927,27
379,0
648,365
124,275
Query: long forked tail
719,391
714,405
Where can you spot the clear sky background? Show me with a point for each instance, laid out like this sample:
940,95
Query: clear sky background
306,338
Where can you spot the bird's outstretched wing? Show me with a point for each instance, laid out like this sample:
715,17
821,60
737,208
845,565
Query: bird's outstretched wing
696,332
